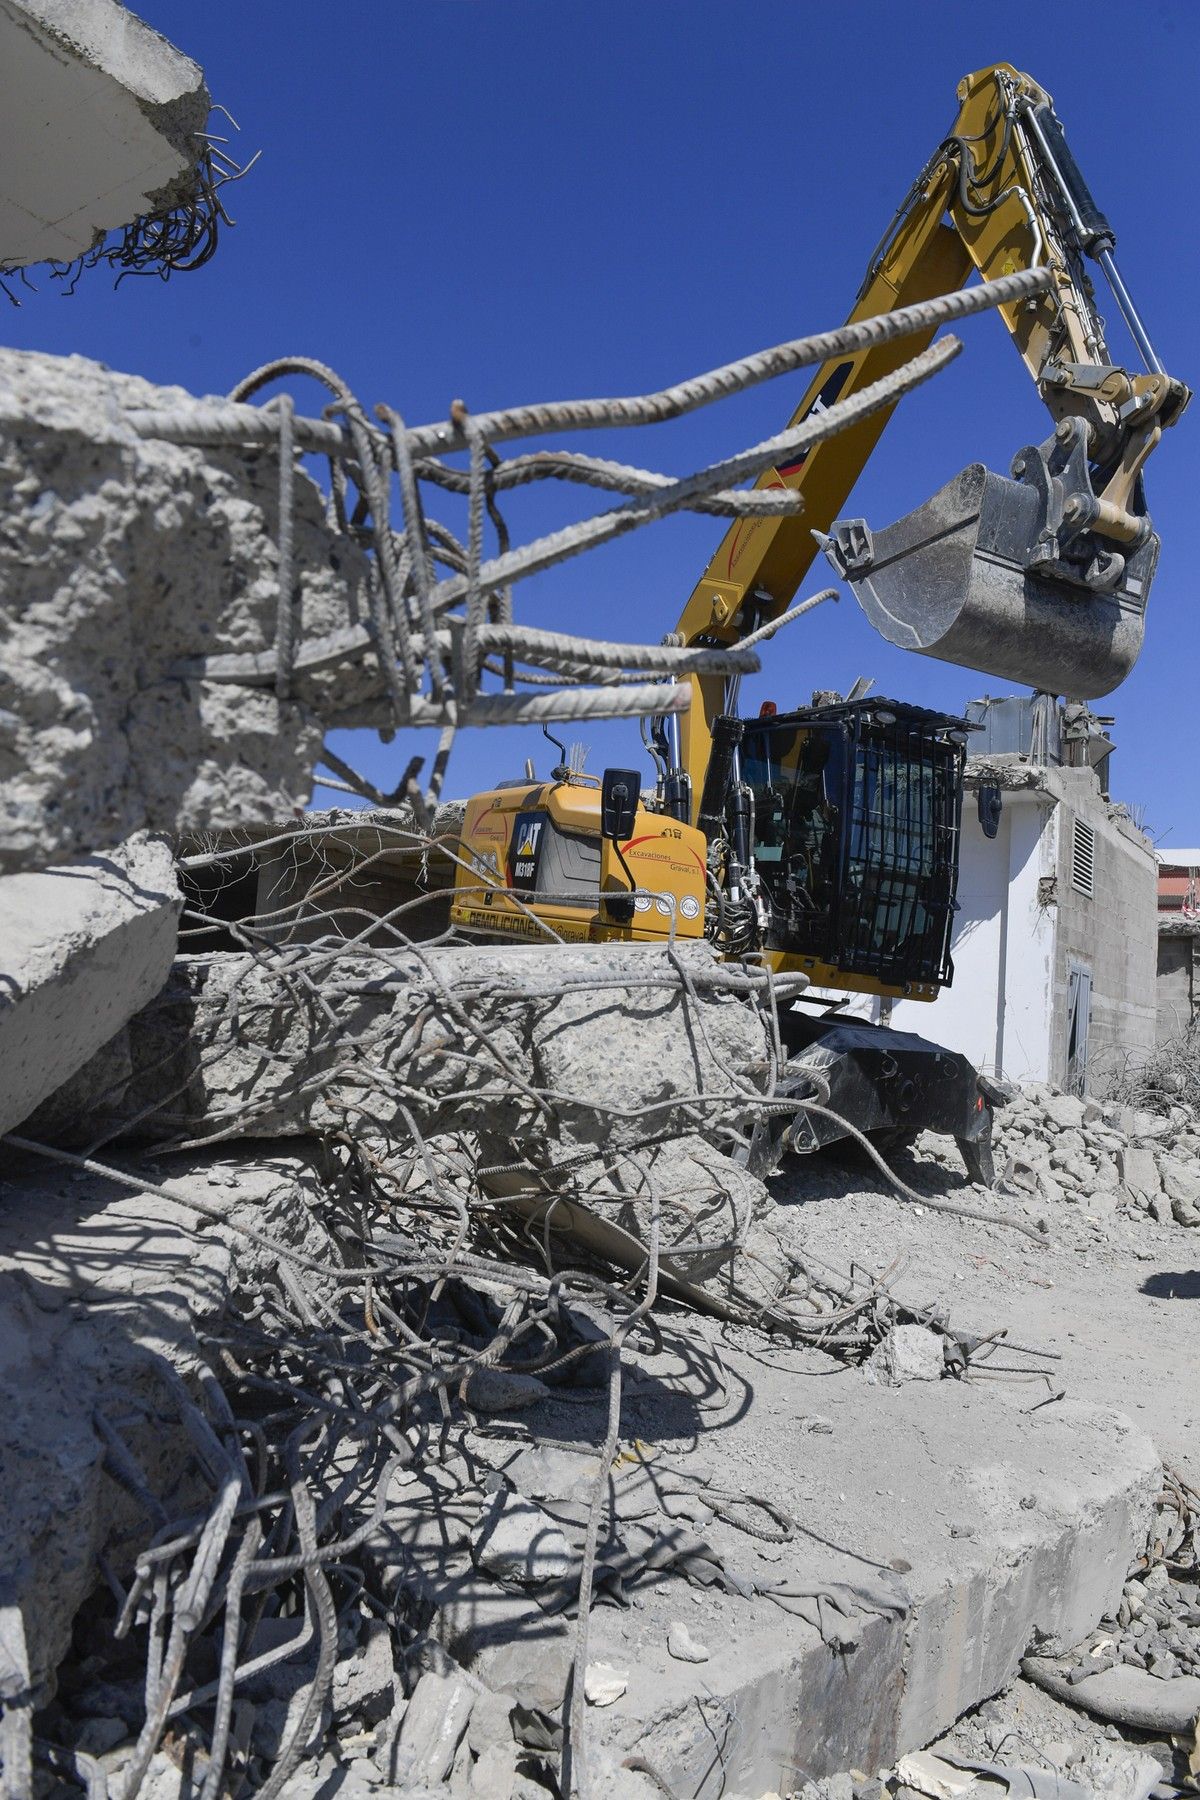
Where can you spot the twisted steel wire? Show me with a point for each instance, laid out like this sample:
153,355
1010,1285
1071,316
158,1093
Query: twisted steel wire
429,679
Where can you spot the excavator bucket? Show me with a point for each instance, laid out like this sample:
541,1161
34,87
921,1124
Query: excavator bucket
1006,577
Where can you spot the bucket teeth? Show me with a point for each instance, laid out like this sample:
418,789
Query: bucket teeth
986,575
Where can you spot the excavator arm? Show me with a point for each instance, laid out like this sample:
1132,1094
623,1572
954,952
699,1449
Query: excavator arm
1000,194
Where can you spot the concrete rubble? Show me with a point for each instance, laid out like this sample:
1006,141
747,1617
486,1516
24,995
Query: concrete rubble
822,1623
117,115
410,1389
831,1521
1115,1162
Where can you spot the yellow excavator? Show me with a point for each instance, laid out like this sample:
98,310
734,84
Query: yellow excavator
824,840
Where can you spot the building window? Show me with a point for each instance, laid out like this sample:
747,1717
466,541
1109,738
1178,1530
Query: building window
1083,858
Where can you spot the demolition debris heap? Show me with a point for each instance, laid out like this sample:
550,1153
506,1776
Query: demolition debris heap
406,1373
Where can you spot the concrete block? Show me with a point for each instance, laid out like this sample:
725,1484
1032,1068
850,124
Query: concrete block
364,1683
1005,1527
274,1068
433,1727
495,1773
516,1541
1181,1179
1138,1170
1065,1111
83,945
122,561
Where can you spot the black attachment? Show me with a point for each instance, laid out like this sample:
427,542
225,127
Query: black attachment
620,792
990,802
620,907
741,821
727,735
1097,233
677,796
891,1084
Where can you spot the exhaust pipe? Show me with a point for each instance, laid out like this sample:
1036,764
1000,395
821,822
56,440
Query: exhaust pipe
1034,580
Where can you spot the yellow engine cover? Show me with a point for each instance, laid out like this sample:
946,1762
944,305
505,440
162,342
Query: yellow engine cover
535,853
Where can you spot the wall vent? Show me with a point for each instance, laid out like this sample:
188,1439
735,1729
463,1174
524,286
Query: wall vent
1083,858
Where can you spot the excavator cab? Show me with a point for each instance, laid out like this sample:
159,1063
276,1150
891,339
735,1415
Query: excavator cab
849,812
856,812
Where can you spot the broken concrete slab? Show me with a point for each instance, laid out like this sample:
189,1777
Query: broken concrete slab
115,112
495,1773
1003,1525
907,1353
364,1683
102,730
83,945
102,1294
941,1528
434,1723
234,1041
683,1646
1139,1171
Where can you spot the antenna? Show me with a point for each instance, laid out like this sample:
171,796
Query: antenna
562,768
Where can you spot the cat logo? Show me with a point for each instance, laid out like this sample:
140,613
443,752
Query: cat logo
526,844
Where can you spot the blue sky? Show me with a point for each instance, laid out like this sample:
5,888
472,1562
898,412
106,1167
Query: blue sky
511,200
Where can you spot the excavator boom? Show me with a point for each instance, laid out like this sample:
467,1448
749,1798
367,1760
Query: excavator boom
1042,578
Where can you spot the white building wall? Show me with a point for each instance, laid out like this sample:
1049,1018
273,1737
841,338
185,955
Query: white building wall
967,1015
1026,1026
998,1010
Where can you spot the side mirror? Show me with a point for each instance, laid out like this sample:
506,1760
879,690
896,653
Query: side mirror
620,793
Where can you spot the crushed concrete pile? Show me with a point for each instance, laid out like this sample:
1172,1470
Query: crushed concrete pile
1114,1160
1157,1625
427,1641
412,1392
387,1388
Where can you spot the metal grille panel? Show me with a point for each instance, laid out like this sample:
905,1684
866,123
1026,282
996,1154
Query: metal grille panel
899,854
1083,858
